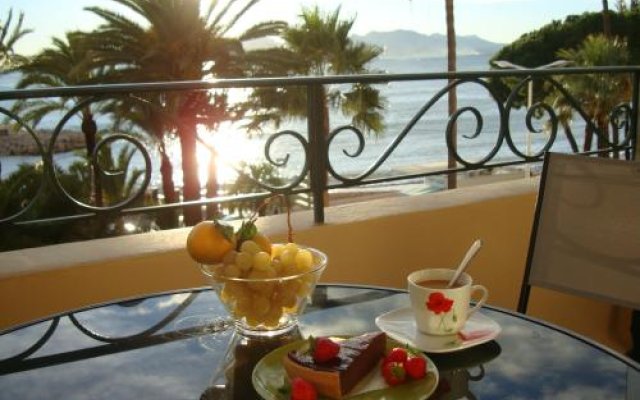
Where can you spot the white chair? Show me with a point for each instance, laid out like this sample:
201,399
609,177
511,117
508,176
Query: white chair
585,238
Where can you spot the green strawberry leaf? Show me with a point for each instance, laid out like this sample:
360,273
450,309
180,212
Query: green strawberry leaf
226,230
247,231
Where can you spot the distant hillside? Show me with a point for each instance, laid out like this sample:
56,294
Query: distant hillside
401,44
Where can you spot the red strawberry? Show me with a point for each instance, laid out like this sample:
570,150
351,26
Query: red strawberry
393,373
416,367
397,354
302,390
325,349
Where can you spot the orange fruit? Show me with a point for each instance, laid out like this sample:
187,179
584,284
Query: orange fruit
207,242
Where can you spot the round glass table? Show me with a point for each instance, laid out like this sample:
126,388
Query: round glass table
181,345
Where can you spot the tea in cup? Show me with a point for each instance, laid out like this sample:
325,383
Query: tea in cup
440,310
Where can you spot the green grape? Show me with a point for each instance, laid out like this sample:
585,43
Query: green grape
250,246
285,295
232,271
272,317
260,305
288,257
229,257
291,247
244,261
278,267
304,259
261,261
276,250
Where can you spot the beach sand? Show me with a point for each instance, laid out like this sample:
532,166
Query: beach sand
428,185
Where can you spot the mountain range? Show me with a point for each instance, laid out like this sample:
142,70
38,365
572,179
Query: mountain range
401,44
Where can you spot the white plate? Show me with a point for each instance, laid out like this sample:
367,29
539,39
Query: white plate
400,325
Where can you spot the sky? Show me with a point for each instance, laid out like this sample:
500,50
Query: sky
500,21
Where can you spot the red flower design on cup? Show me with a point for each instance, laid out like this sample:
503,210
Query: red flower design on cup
439,303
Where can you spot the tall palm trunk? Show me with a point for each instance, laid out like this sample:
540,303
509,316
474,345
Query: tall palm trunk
603,137
190,178
606,19
89,130
588,138
452,98
167,219
212,186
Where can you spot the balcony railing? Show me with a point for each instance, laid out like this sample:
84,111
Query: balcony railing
559,116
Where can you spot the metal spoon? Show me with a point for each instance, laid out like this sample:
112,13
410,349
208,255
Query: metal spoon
465,261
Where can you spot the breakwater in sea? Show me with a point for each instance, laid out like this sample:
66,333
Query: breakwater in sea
21,143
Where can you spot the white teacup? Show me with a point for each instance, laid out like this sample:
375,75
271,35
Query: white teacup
440,310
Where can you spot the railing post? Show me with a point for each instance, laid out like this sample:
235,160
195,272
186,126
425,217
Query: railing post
635,90
317,149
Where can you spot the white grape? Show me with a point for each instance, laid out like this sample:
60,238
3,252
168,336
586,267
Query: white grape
244,261
229,257
288,257
250,246
278,267
276,250
261,261
232,271
291,247
304,259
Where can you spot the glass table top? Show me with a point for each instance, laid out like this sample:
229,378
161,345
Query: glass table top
181,346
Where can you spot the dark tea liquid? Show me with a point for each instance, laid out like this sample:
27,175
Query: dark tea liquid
437,284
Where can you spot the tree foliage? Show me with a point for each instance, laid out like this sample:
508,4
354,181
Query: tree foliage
542,45
318,45
10,33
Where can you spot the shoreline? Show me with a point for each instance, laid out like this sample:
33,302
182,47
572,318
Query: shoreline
21,143
429,185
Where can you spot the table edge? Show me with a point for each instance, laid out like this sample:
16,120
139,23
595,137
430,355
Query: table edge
613,353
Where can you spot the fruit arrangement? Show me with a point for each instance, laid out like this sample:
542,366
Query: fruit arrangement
259,282
402,364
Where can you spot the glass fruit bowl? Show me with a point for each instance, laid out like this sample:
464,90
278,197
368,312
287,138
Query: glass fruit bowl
265,296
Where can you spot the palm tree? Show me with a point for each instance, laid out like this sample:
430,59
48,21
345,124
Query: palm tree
606,19
178,44
598,94
63,64
8,39
319,45
453,98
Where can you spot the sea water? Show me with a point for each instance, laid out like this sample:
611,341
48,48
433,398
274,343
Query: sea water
423,147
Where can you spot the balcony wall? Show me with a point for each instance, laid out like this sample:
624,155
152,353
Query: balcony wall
373,243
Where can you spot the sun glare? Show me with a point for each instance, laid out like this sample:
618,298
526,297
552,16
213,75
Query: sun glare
232,148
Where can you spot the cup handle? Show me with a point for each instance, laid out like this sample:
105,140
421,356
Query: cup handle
483,299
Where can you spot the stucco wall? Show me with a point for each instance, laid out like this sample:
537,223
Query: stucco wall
377,243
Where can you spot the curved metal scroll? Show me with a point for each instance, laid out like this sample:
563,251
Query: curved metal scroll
410,125
94,161
45,161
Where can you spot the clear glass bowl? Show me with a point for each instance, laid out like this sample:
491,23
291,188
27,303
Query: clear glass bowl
270,306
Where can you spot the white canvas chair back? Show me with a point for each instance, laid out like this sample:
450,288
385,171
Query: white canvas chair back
585,238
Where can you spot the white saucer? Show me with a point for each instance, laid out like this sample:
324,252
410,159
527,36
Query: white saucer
400,325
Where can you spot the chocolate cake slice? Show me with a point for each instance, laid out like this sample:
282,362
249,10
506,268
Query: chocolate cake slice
335,378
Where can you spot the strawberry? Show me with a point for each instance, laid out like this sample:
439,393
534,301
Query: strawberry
416,367
302,390
393,373
324,349
397,354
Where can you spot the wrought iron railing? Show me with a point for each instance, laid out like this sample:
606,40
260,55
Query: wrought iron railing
315,148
